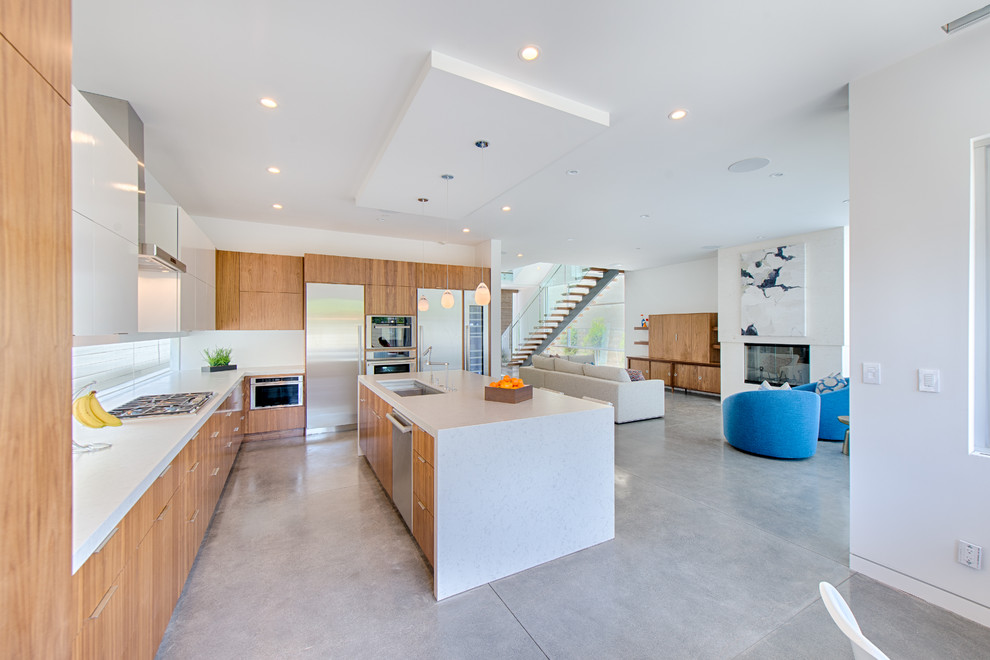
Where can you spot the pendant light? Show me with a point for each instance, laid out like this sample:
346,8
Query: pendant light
447,299
424,304
482,296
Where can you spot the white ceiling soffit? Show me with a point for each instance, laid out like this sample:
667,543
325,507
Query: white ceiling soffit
453,105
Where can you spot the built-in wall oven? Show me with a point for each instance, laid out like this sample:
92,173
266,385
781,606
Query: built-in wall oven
390,332
276,391
390,362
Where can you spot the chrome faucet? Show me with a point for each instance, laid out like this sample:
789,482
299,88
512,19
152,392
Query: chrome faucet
446,370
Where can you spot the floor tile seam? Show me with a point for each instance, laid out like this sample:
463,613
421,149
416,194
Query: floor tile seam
509,609
779,626
735,517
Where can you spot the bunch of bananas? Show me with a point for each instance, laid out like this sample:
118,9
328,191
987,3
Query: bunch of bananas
88,412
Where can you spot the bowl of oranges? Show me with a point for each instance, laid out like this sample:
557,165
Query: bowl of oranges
508,390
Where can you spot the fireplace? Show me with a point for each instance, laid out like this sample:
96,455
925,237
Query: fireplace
777,364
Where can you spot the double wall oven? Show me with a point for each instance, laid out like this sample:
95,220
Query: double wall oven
390,344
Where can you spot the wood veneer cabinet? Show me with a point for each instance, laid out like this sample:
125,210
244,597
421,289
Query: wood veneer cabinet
375,436
35,235
684,352
423,492
124,594
259,291
389,299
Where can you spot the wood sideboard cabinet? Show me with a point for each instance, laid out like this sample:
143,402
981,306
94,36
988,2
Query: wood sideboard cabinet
683,352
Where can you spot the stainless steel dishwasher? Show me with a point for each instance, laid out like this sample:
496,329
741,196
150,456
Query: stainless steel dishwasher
402,493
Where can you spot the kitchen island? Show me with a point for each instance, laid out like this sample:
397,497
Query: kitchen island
512,485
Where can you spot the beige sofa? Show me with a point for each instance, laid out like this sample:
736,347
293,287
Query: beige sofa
630,400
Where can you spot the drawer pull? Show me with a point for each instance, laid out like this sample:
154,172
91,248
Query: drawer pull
215,434
103,603
195,465
107,539
193,519
420,459
216,471
230,443
236,429
161,516
230,413
167,468
421,505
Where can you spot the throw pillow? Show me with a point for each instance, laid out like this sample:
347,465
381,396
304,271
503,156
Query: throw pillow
785,386
765,386
568,367
635,375
543,362
831,384
605,372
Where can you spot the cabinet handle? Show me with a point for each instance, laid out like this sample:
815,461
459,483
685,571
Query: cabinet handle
236,429
161,516
232,442
195,465
215,434
107,539
230,413
421,459
103,603
421,505
167,468
216,471
193,519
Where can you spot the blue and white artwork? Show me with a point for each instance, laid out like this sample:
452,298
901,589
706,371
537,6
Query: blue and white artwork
773,292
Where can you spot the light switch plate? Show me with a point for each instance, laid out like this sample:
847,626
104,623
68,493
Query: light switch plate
871,373
928,380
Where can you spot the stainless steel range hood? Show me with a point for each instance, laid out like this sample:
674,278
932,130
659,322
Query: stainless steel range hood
152,257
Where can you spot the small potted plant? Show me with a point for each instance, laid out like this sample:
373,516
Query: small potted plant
218,359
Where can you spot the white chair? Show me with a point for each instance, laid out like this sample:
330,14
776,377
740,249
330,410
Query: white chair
863,649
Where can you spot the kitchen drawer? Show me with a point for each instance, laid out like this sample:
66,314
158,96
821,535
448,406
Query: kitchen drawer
95,577
103,632
423,480
423,443
423,528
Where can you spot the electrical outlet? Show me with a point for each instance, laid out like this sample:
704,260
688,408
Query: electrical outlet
970,554
871,373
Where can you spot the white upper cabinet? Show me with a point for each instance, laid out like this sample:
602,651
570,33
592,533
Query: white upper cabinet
196,250
104,280
161,226
104,173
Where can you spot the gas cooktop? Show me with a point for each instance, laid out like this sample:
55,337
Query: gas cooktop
162,404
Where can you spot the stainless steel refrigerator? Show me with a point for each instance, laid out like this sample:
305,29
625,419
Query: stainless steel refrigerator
334,355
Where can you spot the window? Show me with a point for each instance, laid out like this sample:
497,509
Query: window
112,365
980,301
599,331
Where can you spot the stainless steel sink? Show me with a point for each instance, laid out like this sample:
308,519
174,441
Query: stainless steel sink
409,387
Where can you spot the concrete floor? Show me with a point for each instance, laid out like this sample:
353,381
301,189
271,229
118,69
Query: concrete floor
717,554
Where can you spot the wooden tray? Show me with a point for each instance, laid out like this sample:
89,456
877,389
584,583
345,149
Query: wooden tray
501,395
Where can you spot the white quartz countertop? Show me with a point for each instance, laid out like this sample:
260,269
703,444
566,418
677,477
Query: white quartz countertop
107,483
466,404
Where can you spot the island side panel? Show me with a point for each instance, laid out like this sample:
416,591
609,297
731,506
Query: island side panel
512,495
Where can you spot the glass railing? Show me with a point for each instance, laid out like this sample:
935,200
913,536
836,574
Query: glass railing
551,290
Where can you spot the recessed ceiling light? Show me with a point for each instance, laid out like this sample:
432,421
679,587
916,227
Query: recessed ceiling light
381,219
268,103
680,113
710,247
776,175
749,165
519,255
529,53
506,208
570,239
466,230
276,206
845,201
274,170
573,172
645,216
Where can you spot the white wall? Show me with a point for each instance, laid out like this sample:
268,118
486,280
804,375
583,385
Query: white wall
252,348
678,289
825,304
244,236
915,489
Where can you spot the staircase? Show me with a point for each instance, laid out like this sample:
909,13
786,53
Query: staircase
577,296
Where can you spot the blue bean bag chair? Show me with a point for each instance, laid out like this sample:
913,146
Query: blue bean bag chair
777,423
834,403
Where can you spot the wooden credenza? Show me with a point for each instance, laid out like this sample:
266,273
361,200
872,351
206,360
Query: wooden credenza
684,352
